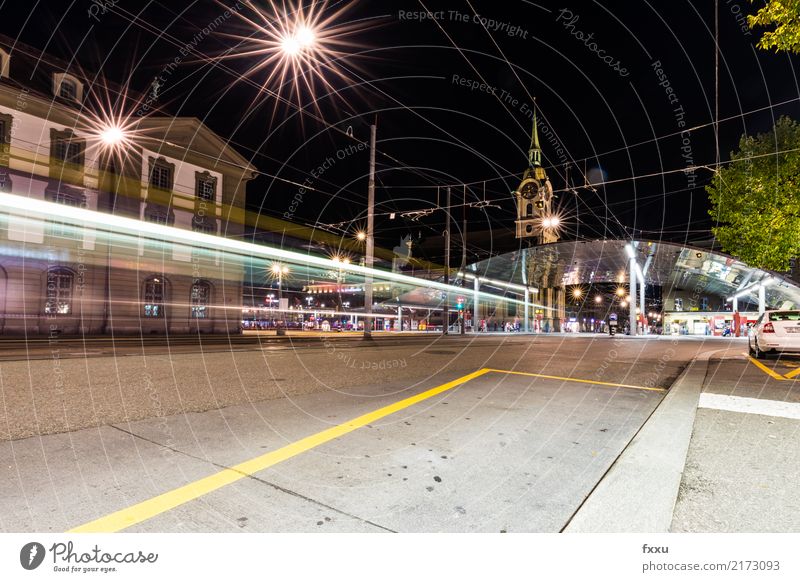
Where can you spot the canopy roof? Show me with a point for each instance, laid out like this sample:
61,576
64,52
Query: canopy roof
672,267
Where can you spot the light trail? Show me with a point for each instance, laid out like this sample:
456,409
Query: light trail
119,225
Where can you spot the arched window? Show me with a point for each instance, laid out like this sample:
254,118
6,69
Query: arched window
154,296
200,299
67,87
528,210
59,292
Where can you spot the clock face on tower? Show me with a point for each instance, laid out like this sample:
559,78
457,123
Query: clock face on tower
529,189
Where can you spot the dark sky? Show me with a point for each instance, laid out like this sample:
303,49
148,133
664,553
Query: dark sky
603,99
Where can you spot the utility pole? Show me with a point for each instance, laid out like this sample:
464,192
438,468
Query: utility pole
464,262
716,80
370,259
446,312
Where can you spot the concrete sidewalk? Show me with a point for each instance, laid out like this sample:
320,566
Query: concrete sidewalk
698,467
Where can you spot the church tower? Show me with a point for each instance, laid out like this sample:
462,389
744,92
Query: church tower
534,198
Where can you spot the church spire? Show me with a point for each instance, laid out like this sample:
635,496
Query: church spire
535,153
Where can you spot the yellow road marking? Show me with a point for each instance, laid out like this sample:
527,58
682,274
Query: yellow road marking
579,380
763,368
792,374
152,507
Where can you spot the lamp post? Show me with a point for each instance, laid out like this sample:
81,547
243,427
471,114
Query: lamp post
370,234
279,271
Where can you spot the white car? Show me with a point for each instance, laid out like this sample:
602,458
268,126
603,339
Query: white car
775,331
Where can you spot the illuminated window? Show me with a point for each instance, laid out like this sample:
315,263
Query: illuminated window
59,292
154,293
201,297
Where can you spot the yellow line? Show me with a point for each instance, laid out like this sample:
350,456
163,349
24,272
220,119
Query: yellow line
152,507
792,374
579,380
766,370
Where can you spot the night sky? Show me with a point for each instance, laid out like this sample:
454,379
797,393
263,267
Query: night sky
615,84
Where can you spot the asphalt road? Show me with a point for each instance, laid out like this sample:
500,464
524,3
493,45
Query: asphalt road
414,434
517,431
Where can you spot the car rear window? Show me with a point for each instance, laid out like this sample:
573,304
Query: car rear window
785,316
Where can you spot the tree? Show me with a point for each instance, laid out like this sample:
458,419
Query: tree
784,15
756,198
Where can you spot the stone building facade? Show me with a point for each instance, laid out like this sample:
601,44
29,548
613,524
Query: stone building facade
57,278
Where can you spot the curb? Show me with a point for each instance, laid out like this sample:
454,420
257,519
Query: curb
639,491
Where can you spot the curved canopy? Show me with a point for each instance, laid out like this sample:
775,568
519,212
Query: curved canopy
672,267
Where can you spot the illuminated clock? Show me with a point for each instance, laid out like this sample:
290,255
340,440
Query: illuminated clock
529,189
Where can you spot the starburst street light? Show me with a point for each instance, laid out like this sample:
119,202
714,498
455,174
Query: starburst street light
108,120
294,43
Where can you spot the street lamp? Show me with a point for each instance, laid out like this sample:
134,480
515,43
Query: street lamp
279,271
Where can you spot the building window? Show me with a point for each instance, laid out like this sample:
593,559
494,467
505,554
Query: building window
68,90
66,149
206,189
5,61
67,87
5,139
158,218
161,175
204,225
59,292
69,197
201,298
154,293
5,181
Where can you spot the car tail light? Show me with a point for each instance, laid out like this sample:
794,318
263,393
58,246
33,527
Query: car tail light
768,328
